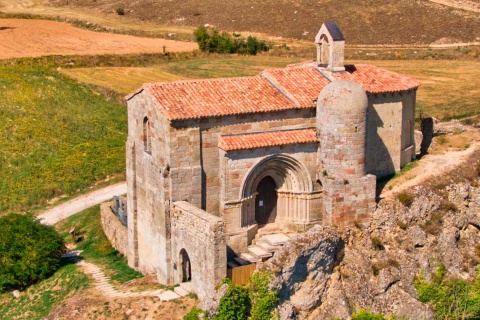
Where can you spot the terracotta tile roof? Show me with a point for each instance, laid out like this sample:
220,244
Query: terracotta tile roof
301,84
376,80
217,97
296,86
266,139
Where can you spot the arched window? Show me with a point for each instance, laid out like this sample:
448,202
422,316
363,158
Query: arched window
147,135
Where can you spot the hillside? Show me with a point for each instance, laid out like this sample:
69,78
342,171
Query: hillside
363,22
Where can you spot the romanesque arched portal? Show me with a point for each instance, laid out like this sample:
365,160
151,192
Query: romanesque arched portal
276,190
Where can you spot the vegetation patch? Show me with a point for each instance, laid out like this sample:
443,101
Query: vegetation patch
211,40
256,300
405,198
450,298
29,251
57,137
363,314
95,245
41,298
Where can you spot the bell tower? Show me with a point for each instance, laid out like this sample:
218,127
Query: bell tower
330,47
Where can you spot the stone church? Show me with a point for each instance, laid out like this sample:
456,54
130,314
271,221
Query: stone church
211,162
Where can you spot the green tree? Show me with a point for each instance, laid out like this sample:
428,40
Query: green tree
29,251
235,304
263,298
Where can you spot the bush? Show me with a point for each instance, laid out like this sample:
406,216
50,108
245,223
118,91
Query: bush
234,305
120,11
211,40
405,198
451,298
363,314
255,301
262,297
377,243
29,251
194,314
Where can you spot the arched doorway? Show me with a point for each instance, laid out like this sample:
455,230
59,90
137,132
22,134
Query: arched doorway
266,201
186,266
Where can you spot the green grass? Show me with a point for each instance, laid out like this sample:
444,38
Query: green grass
40,299
56,136
98,249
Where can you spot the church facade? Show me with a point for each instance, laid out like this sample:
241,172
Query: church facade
292,146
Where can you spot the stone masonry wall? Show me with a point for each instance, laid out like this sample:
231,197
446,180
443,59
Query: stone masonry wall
208,156
148,190
390,132
115,231
202,236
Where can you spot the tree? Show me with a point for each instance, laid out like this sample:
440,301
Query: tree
29,251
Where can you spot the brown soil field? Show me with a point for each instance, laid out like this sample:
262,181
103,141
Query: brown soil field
362,22
33,38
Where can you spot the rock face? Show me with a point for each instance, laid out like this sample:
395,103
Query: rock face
327,273
304,267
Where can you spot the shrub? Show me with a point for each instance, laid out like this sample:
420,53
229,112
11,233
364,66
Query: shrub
448,206
363,314
194,314
262,297
120,11
234,305
211,40
255,301
377,243
405,198
402,225
451,298
29,251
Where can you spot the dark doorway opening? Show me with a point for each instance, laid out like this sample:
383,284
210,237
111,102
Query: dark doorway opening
266,201
186,266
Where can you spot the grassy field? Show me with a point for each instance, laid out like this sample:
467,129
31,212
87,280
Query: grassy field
126,80
40,299
96,249
57,137
450,89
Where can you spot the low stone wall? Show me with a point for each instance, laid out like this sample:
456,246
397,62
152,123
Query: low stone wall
202,236
115,231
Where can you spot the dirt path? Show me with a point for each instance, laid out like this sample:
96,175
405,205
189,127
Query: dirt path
464,5
103,285
69,208
431,166
33,38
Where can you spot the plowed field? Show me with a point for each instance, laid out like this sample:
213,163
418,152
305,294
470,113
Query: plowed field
33,38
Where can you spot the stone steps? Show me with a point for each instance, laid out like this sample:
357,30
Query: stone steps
250,257
259,252
265,247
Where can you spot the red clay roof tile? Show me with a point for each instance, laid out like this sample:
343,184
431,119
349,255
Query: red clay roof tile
377,80
266,139
293,87
217,97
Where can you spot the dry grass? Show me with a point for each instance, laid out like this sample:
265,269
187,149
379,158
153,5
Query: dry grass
449,88
375,21
126,80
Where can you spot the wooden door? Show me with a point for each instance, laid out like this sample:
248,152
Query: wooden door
266,201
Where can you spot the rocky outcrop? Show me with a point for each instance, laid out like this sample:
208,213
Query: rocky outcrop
326,273
304,267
